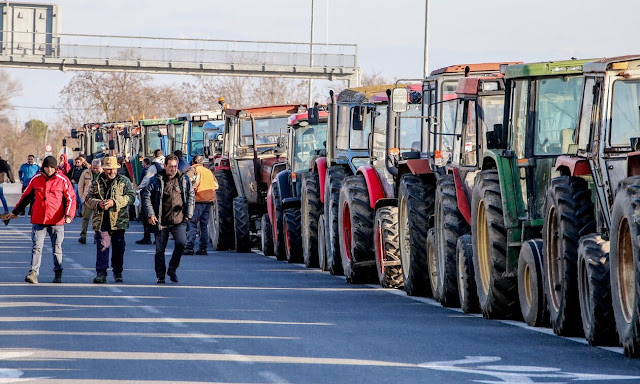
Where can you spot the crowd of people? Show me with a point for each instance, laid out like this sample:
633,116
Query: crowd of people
174,197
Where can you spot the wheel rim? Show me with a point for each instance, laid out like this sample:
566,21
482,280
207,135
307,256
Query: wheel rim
379,249
346,230
215,231
439,256
554,258
585,304
484,257
461,283
625,269
528,289
405,244
286,238
263,242
431,259
322,256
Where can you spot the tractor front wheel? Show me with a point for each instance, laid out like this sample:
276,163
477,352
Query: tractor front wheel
266,236
387,248
310,210
221,231
242,225
292,233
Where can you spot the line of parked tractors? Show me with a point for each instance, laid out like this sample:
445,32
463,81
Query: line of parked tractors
508,189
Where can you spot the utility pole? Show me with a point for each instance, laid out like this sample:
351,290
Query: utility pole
310,104
426,40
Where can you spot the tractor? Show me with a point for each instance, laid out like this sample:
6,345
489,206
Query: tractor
417,161
542,106
189,135
591,227
283,231
253,143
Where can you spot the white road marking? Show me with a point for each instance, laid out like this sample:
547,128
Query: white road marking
150,309
272,377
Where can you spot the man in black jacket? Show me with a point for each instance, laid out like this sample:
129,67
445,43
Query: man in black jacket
168,202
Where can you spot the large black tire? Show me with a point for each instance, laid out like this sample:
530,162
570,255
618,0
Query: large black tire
387,248
292,233
467,290
431,262
569,215
220,227
355,219
594,286
266,235
311,209
332,185
449,226
533,303
279,248
322,249
497,294
625,264
415,205
242,224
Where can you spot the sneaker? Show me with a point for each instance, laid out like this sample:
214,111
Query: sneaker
31,278
160,280
201,252
82,240
144,241
58,278
100,279
172,276
187,251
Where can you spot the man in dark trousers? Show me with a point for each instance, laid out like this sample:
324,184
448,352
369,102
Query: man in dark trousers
5,173
146,238
54,205
109,197
26,173
168,202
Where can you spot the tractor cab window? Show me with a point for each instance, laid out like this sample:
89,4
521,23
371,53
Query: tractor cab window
446,117
518,117
153,139
177,141
557,105
625,118
469,145
342,130
267,131
197,138
98,146
360,127
490,112
409,129
309,143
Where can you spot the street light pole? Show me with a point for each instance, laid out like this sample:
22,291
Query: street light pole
311,57
426,39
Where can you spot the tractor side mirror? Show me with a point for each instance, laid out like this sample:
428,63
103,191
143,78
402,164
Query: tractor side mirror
74,133
635,144
126,133
399,100
220,137
99,137
64,142
313,116
76,149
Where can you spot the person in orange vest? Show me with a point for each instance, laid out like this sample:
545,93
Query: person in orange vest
205,185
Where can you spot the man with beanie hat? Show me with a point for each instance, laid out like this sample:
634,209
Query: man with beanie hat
54,205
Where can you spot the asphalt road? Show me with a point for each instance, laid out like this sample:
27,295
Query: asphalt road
246,318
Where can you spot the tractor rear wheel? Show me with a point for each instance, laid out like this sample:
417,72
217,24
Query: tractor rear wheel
355,219
292,233
220,227
533,303
332,185
278,227
569,215
322,248
310,210
594,286
242,225
266,236
497,294
625,267
449,226
415,205
467,291
387,248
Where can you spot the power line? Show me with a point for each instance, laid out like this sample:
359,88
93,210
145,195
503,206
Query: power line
53,108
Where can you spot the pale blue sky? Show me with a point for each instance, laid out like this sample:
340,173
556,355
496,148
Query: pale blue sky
389,34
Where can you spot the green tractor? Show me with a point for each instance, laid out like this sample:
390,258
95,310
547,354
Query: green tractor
542,107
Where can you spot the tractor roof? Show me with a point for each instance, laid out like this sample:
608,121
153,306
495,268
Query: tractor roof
267,110
474,85
373,93
304,116
545,68
146,122
613,63
479,67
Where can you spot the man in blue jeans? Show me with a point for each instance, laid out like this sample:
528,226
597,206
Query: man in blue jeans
26,173
168,202
5,173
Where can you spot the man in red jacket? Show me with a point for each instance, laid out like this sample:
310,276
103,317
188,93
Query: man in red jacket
54,205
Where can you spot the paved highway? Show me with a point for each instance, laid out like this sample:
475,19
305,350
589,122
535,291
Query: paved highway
246,318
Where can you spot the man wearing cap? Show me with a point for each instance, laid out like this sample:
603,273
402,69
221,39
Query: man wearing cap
109,197
54,205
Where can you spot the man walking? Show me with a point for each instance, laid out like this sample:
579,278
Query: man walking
26,173
146,238
156,165
168,202
74,175
87,177
205,185
5,174
109,197
183,166
54,205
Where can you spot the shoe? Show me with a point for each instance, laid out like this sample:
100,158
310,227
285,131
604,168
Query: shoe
100,279
58,278
160,280
144,241
82,240
117,277
173,277
187,251
31,278
201,252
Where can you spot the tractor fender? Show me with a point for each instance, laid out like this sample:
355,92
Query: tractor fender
376,192
573,166
633,164
320,166
221,164
291,202
461,196
419,166
386,202
282,180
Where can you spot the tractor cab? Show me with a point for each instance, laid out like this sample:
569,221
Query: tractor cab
190,135
213,139
307,142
